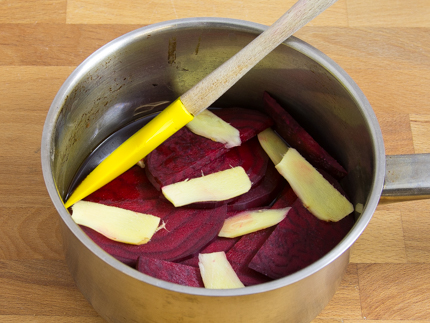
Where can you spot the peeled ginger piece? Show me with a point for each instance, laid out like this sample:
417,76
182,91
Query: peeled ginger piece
116,223
217,272
209,125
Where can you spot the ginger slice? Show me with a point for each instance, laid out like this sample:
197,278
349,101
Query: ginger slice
251,221
116,223
217,186
209,125
320,197
216,271
273,145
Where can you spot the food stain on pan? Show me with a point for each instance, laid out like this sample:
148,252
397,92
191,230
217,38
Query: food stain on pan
171,53
198,46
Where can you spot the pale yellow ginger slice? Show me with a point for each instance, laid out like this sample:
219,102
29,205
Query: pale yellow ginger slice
209,125
116,223
218,186
216,271
320,197
251,221
273,145
141,163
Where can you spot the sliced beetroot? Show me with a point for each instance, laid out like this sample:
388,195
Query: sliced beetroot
151,206
242,253
298,138
261,194
216,245
286,198
126,191
248,122
170,271
298,241
249,155
127,261
186,231
245,249
184,154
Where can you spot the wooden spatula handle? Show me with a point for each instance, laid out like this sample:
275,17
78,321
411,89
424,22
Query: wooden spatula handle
204,93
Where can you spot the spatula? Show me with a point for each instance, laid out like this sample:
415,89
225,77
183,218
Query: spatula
197,99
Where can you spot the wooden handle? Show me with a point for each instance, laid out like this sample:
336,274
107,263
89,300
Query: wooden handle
204,93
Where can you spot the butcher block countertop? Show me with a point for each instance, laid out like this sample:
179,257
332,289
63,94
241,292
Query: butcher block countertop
384,45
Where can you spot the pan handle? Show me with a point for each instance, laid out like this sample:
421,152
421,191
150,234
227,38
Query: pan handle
407,177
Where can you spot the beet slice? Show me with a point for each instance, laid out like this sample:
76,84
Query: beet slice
250,155
184,154
261,194
126,261
216,245
170,271
298,138
126,191
242,253
286,198
245,249
186,231
298,241
248,122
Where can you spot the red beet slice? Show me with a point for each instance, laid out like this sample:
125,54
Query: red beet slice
298,241
170,271
299,139
126,261
184,154
248,122
286,198
245,249
186,232
126,191
216,245
261,194
250,155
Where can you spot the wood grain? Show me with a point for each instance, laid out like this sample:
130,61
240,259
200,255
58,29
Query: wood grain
372,48
142,12
420,126
27,93
32,233
383,45
416,230
388,13
49,319
346,302
44,11
394,291
43,287
396,130
382,241
44,44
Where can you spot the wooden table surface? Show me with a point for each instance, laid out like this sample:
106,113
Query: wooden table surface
383,44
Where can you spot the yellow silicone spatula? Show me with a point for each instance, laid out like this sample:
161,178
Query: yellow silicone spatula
198,98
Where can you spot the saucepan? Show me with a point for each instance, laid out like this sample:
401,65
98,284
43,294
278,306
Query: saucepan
140,73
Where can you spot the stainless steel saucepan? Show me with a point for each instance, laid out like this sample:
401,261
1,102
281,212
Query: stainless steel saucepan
137,75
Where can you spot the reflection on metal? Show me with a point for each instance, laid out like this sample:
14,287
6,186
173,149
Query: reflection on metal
407,177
